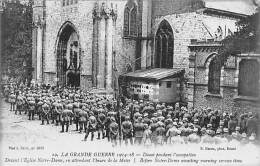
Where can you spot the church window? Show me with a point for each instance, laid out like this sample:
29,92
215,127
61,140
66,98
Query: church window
248,82
169,84
164,46
130,19
214,76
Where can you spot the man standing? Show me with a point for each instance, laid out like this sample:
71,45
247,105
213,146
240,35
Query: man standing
139,130
101,119
91,126
113,131
127,129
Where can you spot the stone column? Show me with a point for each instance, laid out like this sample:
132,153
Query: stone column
109,52
1,42
39,54
101,53
95,50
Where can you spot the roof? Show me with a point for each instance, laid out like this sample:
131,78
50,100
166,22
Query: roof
245,7
155,74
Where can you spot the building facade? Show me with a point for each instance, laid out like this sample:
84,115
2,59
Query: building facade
89,43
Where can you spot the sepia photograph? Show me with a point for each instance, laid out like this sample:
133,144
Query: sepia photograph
129,82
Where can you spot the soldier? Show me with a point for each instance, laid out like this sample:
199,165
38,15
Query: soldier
160,133
232,123
19,104
153,127
138,130
107,124
65,118
127,130
12,99
91,126
101,119
45,112
54,112
172,132
83,119
76,112
31,109
113,131
146,140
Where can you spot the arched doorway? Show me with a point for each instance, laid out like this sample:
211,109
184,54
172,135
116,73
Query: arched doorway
68,56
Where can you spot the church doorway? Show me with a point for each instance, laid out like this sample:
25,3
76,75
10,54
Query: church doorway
68,57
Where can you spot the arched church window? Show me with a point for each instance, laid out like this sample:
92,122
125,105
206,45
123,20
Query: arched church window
133,28
130,19
214,76
126,21
164,46
248,82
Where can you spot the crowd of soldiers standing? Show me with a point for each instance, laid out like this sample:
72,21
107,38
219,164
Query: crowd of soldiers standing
127,120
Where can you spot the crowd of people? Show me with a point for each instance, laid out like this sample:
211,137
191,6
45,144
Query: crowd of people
129,121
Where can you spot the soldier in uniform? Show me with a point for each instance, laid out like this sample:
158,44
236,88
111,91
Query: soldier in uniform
172,132
91,126
19,104
127,129
76,111
45,112
147,136
31,109
153,127
12,99
83,119
65,118
113,131
101,119
138,130
160,133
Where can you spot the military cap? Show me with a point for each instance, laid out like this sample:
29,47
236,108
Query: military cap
219,131
225,130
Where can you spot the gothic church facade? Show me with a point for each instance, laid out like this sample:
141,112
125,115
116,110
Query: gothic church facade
89,43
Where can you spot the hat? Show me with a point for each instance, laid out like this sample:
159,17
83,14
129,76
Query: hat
237,128
225,130
219,131
209,125
174,124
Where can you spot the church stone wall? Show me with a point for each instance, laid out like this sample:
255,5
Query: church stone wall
80,15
